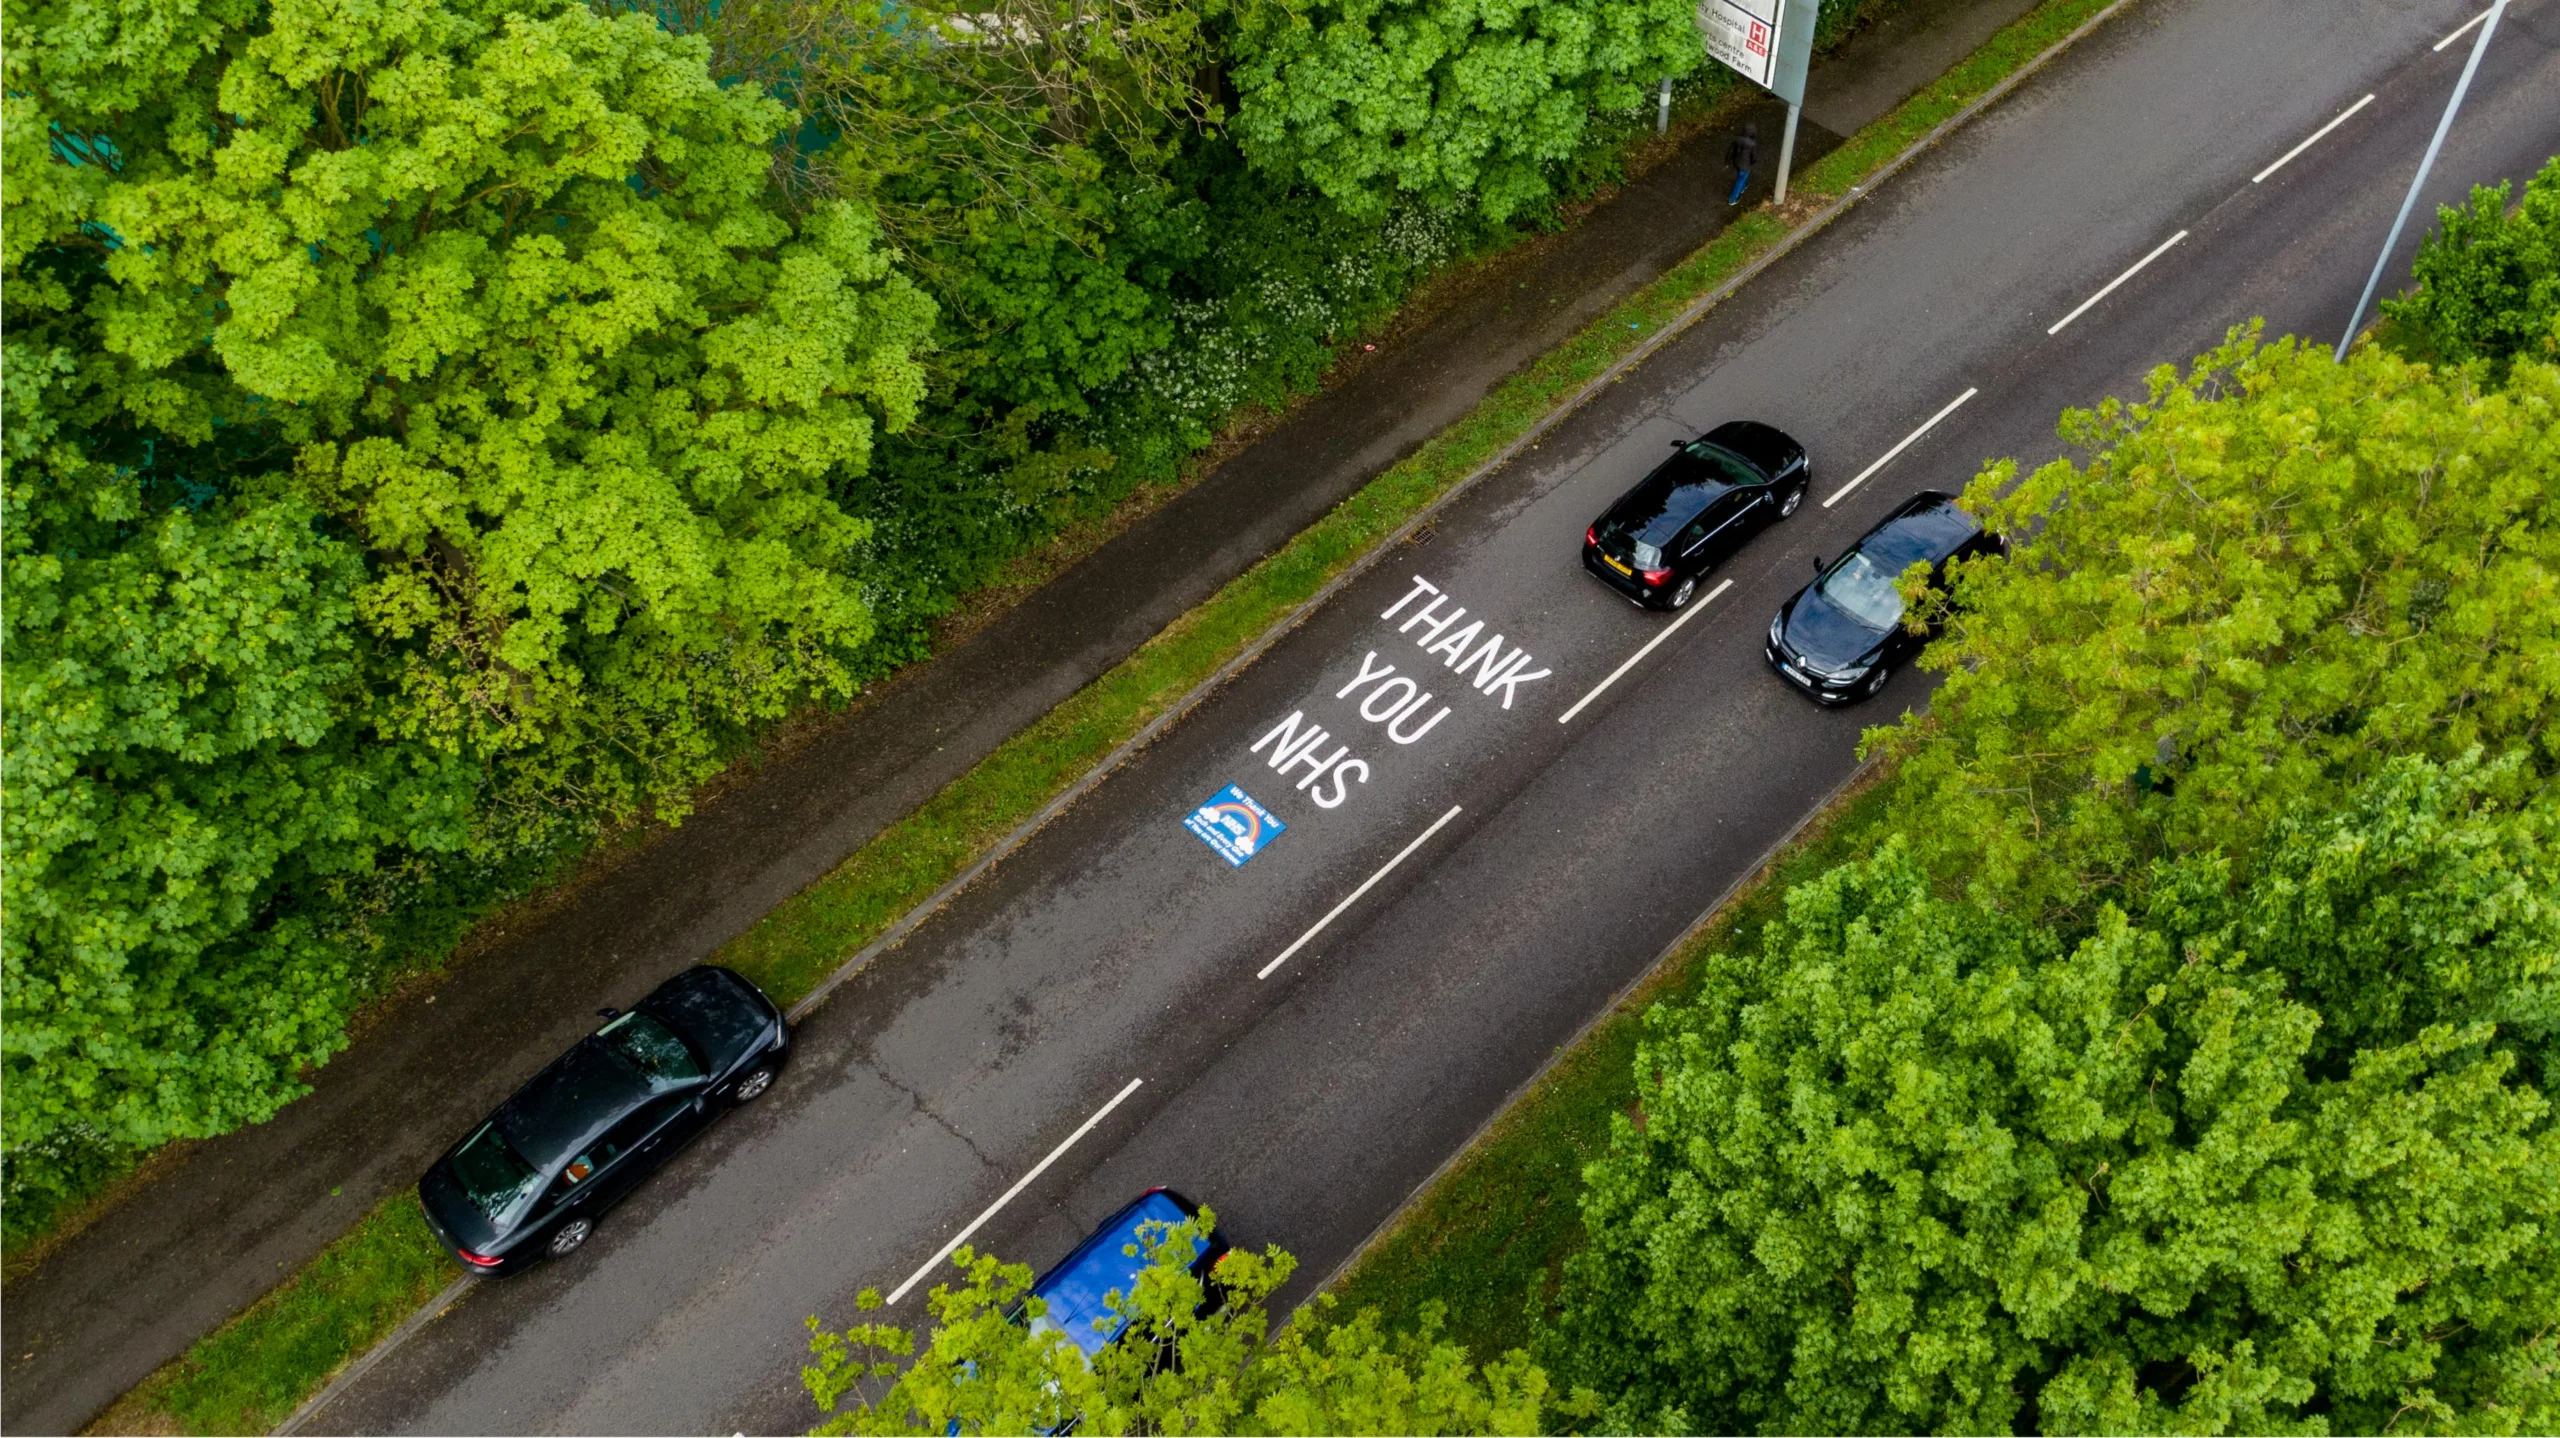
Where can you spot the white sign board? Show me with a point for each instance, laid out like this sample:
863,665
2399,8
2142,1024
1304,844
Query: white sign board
1742,34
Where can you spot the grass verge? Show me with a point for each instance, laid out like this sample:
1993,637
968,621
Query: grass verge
1499,1220
251,1373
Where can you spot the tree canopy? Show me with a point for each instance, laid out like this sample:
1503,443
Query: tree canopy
2488,279
1909,1164
2260,585
421,430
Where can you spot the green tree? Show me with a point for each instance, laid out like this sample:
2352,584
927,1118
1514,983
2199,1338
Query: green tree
422,434
2258,587
1368,100
1908,1164
2488,280
993,1363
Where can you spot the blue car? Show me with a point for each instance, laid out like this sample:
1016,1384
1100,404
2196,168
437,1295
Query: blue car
1110,1260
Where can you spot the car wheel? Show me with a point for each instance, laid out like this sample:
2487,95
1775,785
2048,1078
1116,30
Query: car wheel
1787,506
753,1085
1681,596
565,1240
1875,681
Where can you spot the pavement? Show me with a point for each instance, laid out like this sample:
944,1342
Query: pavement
220,1222
1301,1039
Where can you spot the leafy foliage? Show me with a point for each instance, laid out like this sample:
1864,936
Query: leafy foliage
1371,99
2488,281
1915,1165
422,434
2261,585
992,1365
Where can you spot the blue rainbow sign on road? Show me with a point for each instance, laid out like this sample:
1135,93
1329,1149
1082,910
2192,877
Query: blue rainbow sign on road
1234,825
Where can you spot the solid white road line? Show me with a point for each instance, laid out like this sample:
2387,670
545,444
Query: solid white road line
2465,30
2120,279
1365,886
1908,440
1010,1194
1638,657
2316,135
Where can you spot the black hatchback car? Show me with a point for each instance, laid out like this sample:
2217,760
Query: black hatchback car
1696,507
1842,636
530,1181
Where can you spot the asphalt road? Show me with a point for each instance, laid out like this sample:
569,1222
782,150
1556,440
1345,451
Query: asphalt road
1116,947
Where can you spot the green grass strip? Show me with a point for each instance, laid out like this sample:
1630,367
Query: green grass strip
251,1373
793,948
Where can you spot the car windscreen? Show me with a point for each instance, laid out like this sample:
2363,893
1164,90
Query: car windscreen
492,1175
1641,525
1863,589
653,1048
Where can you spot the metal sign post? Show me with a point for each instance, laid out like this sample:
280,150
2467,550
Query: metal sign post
1769,43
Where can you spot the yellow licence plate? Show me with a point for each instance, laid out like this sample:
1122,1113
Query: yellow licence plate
1613,564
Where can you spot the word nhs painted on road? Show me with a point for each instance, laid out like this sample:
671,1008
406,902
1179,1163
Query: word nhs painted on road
1494,669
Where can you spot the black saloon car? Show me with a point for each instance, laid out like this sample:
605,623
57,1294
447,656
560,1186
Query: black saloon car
531,1179
1842,636
1696,507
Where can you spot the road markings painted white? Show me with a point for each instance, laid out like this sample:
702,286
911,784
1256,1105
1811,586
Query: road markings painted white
1010,1194
1638,657
2287,157
1405,853
1908,440
2465,30
2120,279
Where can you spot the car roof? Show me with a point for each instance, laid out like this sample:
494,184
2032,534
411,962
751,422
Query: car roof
1927,526
1076,1290
562,1110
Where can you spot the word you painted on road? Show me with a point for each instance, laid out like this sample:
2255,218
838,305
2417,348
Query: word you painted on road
1398,702
1234,825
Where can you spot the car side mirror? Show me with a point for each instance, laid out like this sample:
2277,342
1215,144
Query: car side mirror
1679,444
1817,564
607,1012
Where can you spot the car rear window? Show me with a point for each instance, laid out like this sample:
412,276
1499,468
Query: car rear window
493,1176
1078,1292
1647,519
653,1048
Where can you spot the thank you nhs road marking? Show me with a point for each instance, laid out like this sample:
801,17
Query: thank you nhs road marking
1401,703
1234,825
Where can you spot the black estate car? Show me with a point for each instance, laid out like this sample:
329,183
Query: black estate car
1696,507
1841,637
533,1177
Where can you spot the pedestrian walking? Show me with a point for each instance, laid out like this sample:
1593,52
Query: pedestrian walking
1740,154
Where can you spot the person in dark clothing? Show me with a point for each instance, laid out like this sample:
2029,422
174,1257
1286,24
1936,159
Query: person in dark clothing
1739,154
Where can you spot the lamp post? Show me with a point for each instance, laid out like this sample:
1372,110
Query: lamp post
2382,262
